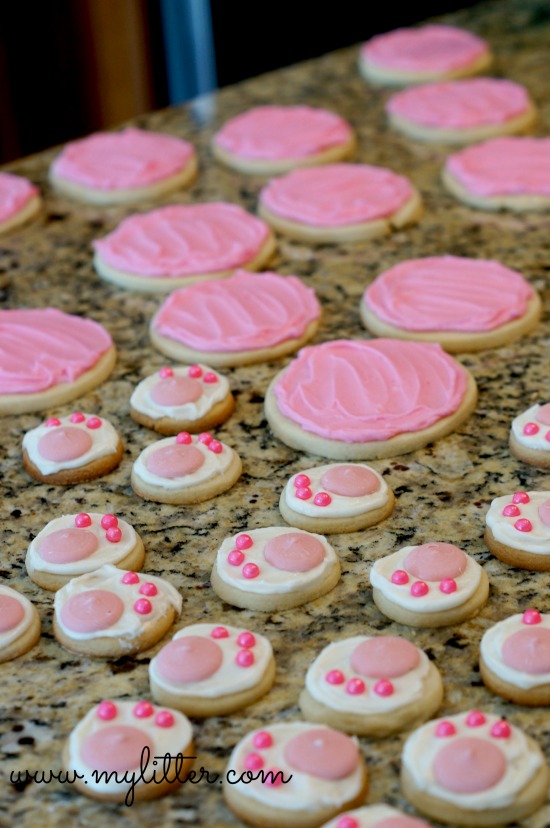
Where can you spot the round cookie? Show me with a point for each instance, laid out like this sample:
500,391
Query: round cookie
72,449
514,658
242,320
268,140
431,585
274,569
180,244
339,203
518,530
188,398
359,400
462,111
464,304
49,358
185,469
123,167
375,816
113,749
338,497
427,53
473,769
19,624
299,775
212,670
371,686
109,613
74,545
19,201
501,174
530,436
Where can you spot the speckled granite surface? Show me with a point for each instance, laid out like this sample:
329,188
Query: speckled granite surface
443,491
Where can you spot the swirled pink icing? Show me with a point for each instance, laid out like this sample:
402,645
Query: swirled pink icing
244,312
283,132
184,239
122,160
448,293
337,194
358,391
504,166
15,193
461,104
43,347
431,48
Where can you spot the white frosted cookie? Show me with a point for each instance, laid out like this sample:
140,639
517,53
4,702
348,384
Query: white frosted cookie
473,769
337,497
185,469
186,398
431,585
274,568
71,449
113,750
375,816
19,624
19,201
518,530
530,436
212,670
371,686
109,613
74,545
300,775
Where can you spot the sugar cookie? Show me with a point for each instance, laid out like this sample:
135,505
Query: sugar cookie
19,201
530,436
375,816
19,624
518,530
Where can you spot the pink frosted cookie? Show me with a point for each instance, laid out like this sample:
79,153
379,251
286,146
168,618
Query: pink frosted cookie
19,201
530,436
427,53
123,167
113,749
339,203
462,111
371,686
110,613
473,769
71,449
244,319
182,243
274,569
48,358
74,545
431,585
518,530
375,816
300,775
19,624
339,497
358,400
502,173
185,469
274,139
212,670
464,304
187,398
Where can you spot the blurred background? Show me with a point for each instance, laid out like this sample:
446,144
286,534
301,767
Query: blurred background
70,67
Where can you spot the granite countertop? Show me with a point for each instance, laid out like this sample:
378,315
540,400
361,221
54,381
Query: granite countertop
443,490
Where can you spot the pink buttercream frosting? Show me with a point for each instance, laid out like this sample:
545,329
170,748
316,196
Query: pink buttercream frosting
461,104
43,347
448,293
274,133
15,194
122,160
244,312
337,195
359,391
183,240
504,166
431,48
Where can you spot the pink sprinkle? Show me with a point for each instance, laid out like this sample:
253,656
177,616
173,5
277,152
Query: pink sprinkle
114,534
475,719
148,589
303,493
93,423
262,739
400,577
130,578
246,639
335,677
511,510
235,557
143,710
77,417
301,481
164,718
219,632
531,616
530,428
547,436
347,822
419,589
107,710
445,729
523,525
245,658
205,438
195,371
384,688
243,541
215,446
322,499
355,687
501,730
520,497
253,761
82,520
52,421
143,606
166,373
183,438
250,570
210,377
448,586
275,780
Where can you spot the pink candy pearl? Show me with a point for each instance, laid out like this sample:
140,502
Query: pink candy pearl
274,781
183,438
520,497
531,616
107,710
166,373
511,510
523,525
205,438
355,687
52,421
475,719
143,710
215,446
303,493
501,730
235,557
114,534
419,589
210,377
445,729
246,639
400,577
143,606
82,520
448,585
77,417
219,632
384,688
108,521
250,570
334,677
530,428
262,740
243,541
164,718
547,436
322,499
195,371
347,822
93,423
130,578
148,589
301,481
253,761
245,658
